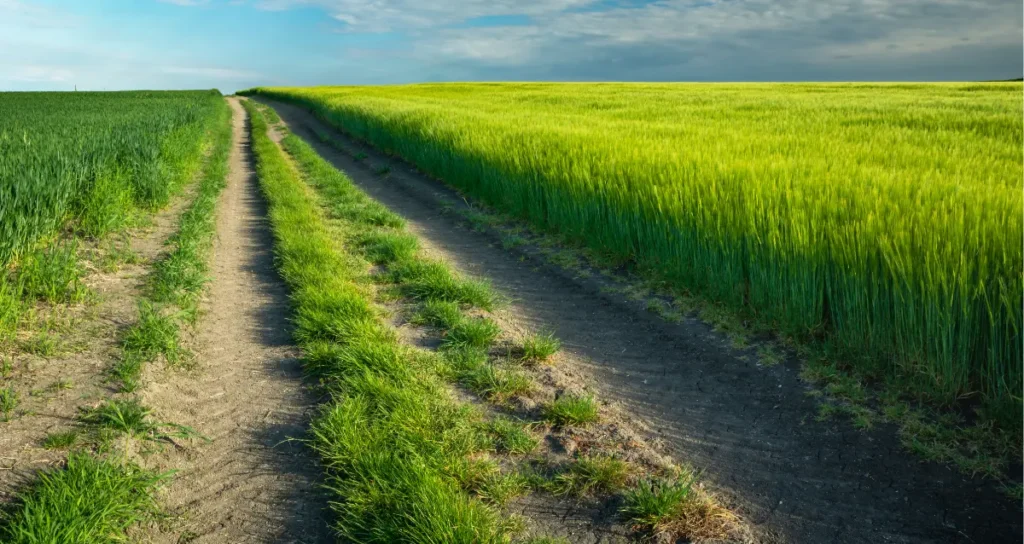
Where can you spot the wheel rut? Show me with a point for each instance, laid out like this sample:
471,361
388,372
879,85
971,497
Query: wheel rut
752,430
253,482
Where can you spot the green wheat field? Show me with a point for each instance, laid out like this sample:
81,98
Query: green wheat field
882,218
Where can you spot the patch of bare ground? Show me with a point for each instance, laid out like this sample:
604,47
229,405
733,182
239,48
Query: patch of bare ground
59,361
752,430
253,482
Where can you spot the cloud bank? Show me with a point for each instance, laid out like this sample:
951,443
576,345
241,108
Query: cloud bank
731,40
237,43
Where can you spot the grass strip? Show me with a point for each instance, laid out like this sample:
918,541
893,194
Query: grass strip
178,278
367,229
92,500
392,438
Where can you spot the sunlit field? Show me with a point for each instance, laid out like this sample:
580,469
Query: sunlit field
84,164
882,218
90,157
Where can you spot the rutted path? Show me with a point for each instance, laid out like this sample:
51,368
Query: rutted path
250,483
752,429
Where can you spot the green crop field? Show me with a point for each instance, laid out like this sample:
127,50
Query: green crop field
84,164
89,158
883,218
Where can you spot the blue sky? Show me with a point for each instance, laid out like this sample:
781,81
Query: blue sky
233,44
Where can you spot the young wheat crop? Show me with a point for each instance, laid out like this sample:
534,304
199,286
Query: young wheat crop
885,218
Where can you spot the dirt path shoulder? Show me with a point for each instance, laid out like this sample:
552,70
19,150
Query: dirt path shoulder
251,483
60,364
753,430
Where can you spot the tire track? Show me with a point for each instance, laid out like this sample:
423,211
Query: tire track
251,483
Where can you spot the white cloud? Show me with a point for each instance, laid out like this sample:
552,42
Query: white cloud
42,74
402,15
209,72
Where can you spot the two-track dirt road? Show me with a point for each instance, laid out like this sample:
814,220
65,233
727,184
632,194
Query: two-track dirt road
251,483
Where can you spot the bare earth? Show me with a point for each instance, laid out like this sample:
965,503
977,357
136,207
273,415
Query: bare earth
53,388
251,483
751,429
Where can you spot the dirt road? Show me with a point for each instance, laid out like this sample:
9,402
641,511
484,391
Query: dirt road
251,483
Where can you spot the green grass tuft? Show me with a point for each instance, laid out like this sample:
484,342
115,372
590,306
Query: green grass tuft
571,410
479,333
91,500
154,334
441,314
540,347
591,475
8,403
128,416
425,280
656,503
61,440
511,436
53,275
387,246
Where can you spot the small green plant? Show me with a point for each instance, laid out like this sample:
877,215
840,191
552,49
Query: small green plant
117,254
91,499
472,332
511,436
130,417
61,440
8,402
382,170
154,334
656,503
540,347
128,371
500,488
43,344
826,411
495,384
53,275
591,475
564,259
387,246
60,385
571,410
439,313
512,241
433,280
769,356
360,156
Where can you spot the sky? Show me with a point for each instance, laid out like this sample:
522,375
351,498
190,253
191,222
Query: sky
236,44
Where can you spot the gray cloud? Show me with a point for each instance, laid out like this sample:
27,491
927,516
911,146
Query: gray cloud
700,40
